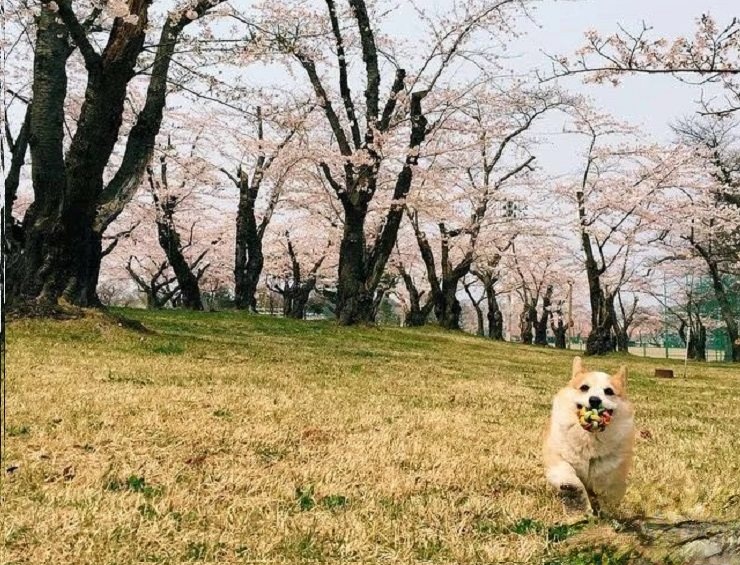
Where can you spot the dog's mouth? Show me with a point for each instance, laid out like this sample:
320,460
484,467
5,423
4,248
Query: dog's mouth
594,419
609,411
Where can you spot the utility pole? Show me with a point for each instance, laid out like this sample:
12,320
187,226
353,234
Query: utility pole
570,312
665,316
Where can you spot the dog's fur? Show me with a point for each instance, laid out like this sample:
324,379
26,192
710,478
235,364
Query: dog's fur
590,469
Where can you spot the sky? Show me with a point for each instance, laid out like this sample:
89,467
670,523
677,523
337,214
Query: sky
651,102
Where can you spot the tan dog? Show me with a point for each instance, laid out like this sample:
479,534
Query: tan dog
590,468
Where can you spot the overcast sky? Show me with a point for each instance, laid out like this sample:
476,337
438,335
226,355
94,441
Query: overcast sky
649,101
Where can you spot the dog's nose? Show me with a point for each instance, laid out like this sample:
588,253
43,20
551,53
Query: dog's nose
594,401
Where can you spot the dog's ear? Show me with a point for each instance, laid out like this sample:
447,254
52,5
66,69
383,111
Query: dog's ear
619,380
577,369
577,366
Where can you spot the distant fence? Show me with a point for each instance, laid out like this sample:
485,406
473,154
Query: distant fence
660,352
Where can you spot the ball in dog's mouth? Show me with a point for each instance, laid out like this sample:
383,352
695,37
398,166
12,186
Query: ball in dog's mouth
594,419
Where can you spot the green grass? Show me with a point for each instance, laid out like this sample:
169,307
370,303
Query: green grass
226,437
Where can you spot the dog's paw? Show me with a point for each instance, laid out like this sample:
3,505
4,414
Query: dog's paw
573,497
596,509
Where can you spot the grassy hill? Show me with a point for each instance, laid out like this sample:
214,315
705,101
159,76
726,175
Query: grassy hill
225,437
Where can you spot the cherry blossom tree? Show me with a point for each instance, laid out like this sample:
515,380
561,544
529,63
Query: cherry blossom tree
618,184
700,221
375,144
484,150
266,158
711,56
76,194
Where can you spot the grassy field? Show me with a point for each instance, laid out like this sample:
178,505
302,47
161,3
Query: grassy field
230,438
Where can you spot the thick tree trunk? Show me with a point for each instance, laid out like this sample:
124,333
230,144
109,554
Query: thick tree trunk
417,314
526,319
72,258
622,341
354,299
540,324
295,299
447,307
696,341
600,339
495,318
559,331
169,241
249,259
698,344
63,228
725,306
37,271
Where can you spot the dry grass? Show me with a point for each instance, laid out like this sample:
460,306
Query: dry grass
230,438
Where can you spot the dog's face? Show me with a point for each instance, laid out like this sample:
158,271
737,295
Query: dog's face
593,388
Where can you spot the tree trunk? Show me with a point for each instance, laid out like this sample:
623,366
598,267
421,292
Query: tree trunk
18,151
479,317
447,307
354,299
169,241
481,330
36,272
540,335
63,228
622,341
698,344
249,259
495,317
417,314
600,340
726,309
560,331
528,315
295,299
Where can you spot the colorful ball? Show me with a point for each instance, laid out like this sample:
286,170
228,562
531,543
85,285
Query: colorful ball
594,419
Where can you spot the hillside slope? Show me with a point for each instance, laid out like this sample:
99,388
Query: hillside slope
226,437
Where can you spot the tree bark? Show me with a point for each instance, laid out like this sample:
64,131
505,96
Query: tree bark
601,340
63,228
297,289
481,328
725,305
249,259
540,324
526,320
35,271
169,241
494,316
354,295
361,266
418,314
18,149
559,331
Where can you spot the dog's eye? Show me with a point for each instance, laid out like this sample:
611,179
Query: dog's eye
584,388
609,391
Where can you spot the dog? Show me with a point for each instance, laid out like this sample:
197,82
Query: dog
589,468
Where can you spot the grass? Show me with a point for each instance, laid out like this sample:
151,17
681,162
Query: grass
225,437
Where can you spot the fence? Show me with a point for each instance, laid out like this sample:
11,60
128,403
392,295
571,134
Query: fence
660,352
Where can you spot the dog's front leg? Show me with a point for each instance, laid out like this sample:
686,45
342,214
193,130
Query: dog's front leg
563,477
